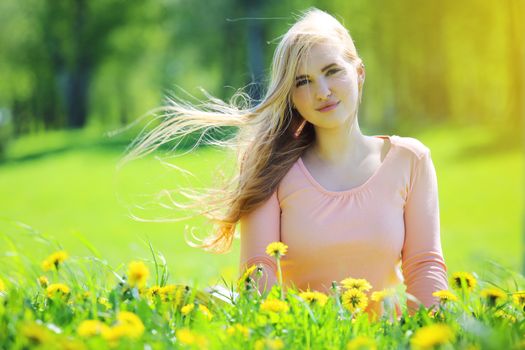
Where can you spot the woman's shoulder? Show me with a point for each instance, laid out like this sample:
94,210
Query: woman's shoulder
293,181
412,145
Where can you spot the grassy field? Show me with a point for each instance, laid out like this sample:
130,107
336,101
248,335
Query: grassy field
65,185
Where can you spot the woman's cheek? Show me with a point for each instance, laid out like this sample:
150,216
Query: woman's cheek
301,97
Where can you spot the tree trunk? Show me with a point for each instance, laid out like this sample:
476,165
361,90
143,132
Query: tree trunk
80,74
255,48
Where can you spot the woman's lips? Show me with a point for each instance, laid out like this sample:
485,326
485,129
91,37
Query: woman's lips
329,107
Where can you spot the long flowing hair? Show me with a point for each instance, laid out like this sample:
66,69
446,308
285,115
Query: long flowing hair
264,142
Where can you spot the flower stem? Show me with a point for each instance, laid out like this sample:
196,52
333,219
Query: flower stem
280,276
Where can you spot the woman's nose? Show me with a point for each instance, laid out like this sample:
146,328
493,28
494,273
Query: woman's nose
323,91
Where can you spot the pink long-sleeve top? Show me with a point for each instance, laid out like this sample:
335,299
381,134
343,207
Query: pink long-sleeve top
385,230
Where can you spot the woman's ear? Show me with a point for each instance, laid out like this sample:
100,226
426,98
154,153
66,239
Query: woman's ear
361,73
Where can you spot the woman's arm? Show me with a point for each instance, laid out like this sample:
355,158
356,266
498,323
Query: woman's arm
423,266
258,229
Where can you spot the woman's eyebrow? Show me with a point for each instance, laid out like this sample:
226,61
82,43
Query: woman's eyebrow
302,76
329,66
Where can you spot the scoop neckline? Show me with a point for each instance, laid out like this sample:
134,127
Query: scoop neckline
355,189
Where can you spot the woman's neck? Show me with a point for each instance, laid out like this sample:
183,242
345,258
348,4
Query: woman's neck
345,144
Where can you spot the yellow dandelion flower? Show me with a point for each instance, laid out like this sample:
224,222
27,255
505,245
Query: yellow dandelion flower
188,337
90,328
104,302
179,296
430,336
185,336
274,305
314,297
245,276
238,329
519,299
58,257
57,289
154,291
128,325
2,286
86,295
43,281
505,316
54,260
493,295
354,300
356,283
361,343
168,289
276,249
381,295
138,274
70,344
205,311
273,344
167,292
463,279
46,265
186,309
113,334
36,333
476,347
132,322
445,296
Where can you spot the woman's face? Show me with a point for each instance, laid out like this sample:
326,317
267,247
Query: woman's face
325,91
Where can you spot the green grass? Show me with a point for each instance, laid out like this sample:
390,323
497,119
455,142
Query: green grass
70,191
481,186
80,304
65,184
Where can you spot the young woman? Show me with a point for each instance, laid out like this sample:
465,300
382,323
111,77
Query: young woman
345,204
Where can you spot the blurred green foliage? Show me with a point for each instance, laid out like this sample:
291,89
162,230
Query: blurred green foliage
105,62
99,64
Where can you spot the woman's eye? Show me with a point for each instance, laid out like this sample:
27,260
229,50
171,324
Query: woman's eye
333,71
301,82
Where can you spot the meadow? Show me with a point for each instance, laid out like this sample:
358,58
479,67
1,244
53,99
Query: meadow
61,192
65,185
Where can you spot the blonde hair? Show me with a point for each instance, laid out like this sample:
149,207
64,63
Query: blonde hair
264,142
